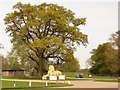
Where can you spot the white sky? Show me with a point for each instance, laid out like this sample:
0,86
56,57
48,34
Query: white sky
102,21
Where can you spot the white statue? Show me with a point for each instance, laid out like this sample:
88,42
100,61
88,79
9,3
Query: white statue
52,72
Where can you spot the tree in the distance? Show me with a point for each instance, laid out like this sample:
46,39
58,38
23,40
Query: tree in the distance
41,32
104,60
4,63
115,41
72,65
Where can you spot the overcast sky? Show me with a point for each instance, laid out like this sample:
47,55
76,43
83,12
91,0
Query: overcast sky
102,21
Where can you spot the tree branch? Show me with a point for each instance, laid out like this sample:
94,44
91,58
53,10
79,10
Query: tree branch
33,58
16,25
52,52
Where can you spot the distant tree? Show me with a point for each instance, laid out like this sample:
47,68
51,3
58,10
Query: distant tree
115,41
104,60
46,30
109,56
70,66
112,60
5,63
13,61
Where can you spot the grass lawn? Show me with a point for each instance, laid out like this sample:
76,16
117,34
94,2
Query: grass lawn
74,79
104,77
23,78
107,80
10,84
70,74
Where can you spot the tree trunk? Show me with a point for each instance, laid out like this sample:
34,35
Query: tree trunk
40,69
39,73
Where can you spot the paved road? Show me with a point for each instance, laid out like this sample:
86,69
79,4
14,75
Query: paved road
93,84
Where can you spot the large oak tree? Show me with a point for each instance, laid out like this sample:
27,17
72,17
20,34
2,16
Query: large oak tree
41,32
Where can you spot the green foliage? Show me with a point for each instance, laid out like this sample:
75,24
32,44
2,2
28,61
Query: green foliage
116,80
70,66
115,41
42,32
13,61
5,63
104,60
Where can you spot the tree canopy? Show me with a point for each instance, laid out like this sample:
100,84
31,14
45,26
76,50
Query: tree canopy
45,31
105,58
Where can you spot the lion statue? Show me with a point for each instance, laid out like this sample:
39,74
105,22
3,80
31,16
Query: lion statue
52,72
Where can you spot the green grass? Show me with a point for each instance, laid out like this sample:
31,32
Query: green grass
74,79
108,80
73,74
25,78
10,84
104,77
70,74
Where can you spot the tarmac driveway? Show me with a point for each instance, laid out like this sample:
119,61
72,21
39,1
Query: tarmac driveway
93,84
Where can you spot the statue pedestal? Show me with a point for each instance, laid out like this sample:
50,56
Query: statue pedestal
61,77
53,78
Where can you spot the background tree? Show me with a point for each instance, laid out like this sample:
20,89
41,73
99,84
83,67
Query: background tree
21,56
47,31
105,60
115,41
98,59
5,63
71,66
